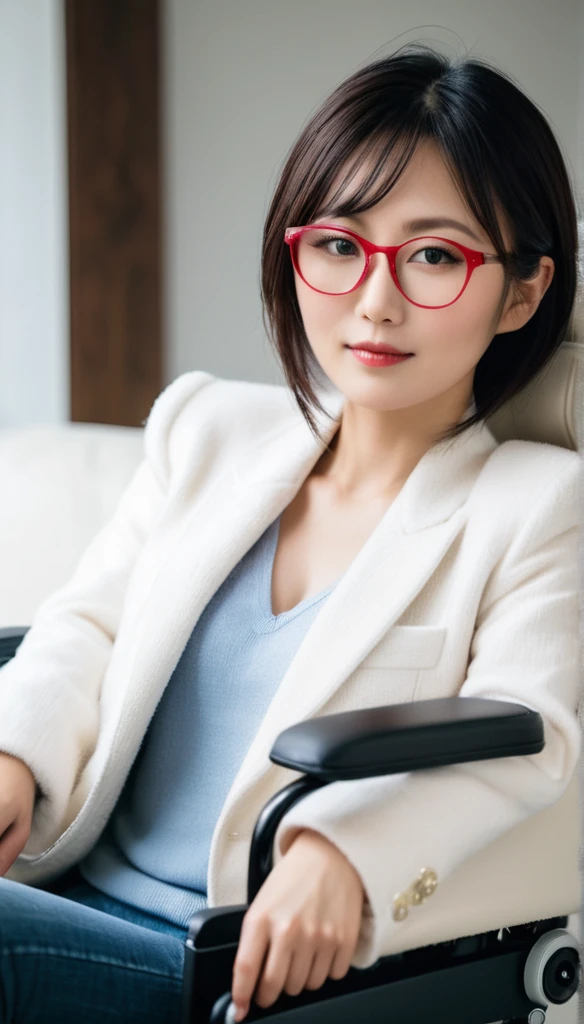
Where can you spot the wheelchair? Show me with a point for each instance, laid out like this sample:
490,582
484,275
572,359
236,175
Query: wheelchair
496,946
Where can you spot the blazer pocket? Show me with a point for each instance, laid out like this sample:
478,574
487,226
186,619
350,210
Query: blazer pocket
407,647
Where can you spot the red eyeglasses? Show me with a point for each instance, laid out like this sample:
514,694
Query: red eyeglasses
335,261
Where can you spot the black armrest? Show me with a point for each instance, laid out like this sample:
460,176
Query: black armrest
10,640
351,745
405,737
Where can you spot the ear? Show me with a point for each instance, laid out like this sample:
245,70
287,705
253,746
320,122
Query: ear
525,296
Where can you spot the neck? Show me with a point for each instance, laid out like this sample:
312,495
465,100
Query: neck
372,453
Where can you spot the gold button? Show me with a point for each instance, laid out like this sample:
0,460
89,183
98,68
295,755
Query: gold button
428,882
400,907
416,894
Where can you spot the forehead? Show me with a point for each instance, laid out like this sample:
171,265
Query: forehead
426,178
426,187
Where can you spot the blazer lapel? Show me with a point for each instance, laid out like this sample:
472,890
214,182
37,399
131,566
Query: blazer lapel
218,532
389,571
391,568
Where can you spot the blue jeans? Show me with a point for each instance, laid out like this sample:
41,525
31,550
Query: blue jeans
70,953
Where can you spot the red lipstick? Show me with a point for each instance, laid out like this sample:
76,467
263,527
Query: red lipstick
378,354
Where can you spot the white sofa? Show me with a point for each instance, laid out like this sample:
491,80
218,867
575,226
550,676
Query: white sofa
61,484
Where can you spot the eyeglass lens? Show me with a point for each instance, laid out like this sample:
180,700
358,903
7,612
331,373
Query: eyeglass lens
429,271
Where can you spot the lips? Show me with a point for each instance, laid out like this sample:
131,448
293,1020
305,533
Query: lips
380,349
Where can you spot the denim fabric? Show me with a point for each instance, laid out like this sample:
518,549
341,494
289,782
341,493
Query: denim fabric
68,953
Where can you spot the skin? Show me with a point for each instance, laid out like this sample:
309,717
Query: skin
303,925
17,796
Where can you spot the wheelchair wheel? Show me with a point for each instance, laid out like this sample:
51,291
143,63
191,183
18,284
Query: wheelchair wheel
552,969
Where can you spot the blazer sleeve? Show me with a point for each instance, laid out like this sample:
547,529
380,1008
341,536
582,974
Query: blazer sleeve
525,649
49,691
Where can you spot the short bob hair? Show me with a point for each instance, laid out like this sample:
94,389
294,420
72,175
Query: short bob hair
498,146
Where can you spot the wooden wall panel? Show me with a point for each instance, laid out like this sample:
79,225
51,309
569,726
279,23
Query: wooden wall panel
113,99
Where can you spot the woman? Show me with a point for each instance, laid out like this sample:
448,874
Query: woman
288,552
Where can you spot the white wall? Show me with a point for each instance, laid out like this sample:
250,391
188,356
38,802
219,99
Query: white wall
34,349
241,80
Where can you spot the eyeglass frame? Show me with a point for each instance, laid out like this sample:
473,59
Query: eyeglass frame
474,258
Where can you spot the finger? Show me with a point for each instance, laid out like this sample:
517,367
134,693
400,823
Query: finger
321,967
7,821
253,943
342,960
11,844
15,823
301,963
276,968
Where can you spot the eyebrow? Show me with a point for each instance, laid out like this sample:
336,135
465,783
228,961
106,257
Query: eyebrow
423,224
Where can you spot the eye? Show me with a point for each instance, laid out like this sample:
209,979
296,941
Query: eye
345,246
451,256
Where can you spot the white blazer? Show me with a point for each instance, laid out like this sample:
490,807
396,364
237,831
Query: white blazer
468,585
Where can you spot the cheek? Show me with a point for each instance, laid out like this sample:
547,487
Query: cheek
459,347
464,329
480,306
322,315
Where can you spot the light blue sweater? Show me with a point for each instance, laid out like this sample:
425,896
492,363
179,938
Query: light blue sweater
154,851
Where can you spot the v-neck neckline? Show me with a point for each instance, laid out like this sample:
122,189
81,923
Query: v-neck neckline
265,585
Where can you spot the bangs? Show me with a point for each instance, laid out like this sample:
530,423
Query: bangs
388,158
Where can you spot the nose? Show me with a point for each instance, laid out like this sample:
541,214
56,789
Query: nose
378,296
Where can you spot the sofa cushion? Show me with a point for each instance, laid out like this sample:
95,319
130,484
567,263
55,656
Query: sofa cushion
60,484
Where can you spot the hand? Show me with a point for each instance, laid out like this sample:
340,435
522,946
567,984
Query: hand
306,918
17,796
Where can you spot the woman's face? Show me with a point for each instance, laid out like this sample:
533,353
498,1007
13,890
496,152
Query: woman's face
447,343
